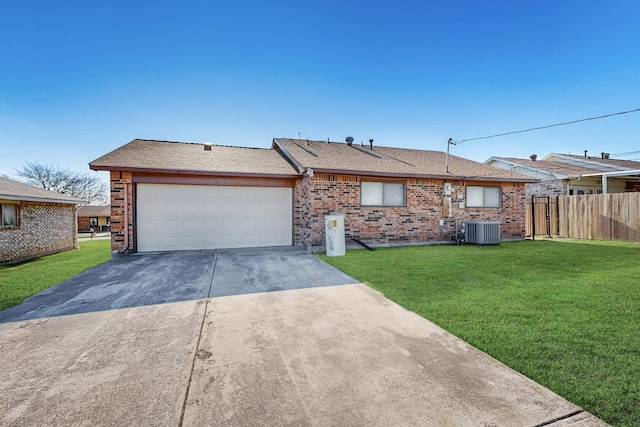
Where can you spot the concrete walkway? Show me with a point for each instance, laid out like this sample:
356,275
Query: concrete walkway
328,355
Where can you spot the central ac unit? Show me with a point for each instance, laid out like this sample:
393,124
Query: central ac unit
481,233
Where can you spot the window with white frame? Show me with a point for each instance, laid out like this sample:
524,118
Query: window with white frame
8,214
484,197
93,221
382,193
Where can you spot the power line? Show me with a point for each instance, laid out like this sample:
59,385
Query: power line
628,153
548,126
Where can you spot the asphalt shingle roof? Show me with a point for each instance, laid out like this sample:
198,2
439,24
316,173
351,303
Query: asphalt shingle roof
605,164
88,211
14,190
552,166
183,157
388,161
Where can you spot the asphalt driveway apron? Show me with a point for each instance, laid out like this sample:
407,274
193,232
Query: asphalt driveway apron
164,277
247,337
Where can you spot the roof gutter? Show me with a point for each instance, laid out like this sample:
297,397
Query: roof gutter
423,176
191,172
40,199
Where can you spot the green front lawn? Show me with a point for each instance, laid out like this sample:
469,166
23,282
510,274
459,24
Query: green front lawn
20,281
565,313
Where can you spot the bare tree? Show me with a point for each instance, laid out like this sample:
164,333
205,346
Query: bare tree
63,180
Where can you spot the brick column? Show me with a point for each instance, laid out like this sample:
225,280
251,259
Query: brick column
121,211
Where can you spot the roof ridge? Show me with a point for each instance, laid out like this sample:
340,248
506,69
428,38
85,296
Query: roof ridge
199,143
358,145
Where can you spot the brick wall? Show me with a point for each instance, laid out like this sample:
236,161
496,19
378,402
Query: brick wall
83,223
44,228
121,199
417,222
554,187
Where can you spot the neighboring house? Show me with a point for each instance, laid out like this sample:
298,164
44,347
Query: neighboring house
566,174
34,222
94,218
172,195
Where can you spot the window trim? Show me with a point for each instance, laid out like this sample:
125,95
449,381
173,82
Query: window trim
17,211
404,193
466,191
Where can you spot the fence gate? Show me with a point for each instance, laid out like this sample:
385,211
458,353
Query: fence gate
542,216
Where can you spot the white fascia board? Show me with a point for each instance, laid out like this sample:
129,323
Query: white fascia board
621,173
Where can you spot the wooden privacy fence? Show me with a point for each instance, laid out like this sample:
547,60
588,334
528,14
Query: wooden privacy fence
595,216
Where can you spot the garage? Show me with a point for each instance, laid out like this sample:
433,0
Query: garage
187,217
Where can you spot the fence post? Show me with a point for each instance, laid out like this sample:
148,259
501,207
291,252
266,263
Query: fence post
533,218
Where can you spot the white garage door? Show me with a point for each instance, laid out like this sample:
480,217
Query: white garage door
181,217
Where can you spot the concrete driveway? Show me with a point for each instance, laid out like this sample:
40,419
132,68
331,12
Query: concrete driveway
268,337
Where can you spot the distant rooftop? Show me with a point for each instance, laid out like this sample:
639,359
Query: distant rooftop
14,190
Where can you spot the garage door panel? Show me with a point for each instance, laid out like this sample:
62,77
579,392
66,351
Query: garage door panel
282,238
171,241
149,207
248,224
230,224
171,208
194,242
192,224
282,209
230,193
171,225
265,223
230,208
211,208
191,208
150,225
265,209
173,191
231,240
249,208
249,239
192,191
174,217
211,224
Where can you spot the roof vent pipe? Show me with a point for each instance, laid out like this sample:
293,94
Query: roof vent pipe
533,157
585,153
371,144
606,156
349,141
328,142
207,146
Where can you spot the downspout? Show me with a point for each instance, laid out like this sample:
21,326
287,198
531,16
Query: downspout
604,183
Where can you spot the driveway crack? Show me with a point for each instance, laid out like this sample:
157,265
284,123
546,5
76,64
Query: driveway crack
563,417
196,352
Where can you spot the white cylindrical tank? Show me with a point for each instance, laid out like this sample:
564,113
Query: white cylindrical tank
334,232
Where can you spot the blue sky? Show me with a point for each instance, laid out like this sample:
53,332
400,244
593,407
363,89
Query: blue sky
79,79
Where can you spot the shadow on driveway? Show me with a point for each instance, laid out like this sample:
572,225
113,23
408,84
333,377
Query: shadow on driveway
162,277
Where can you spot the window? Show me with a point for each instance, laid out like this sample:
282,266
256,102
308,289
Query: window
381,194
8,214
484,197
93,222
